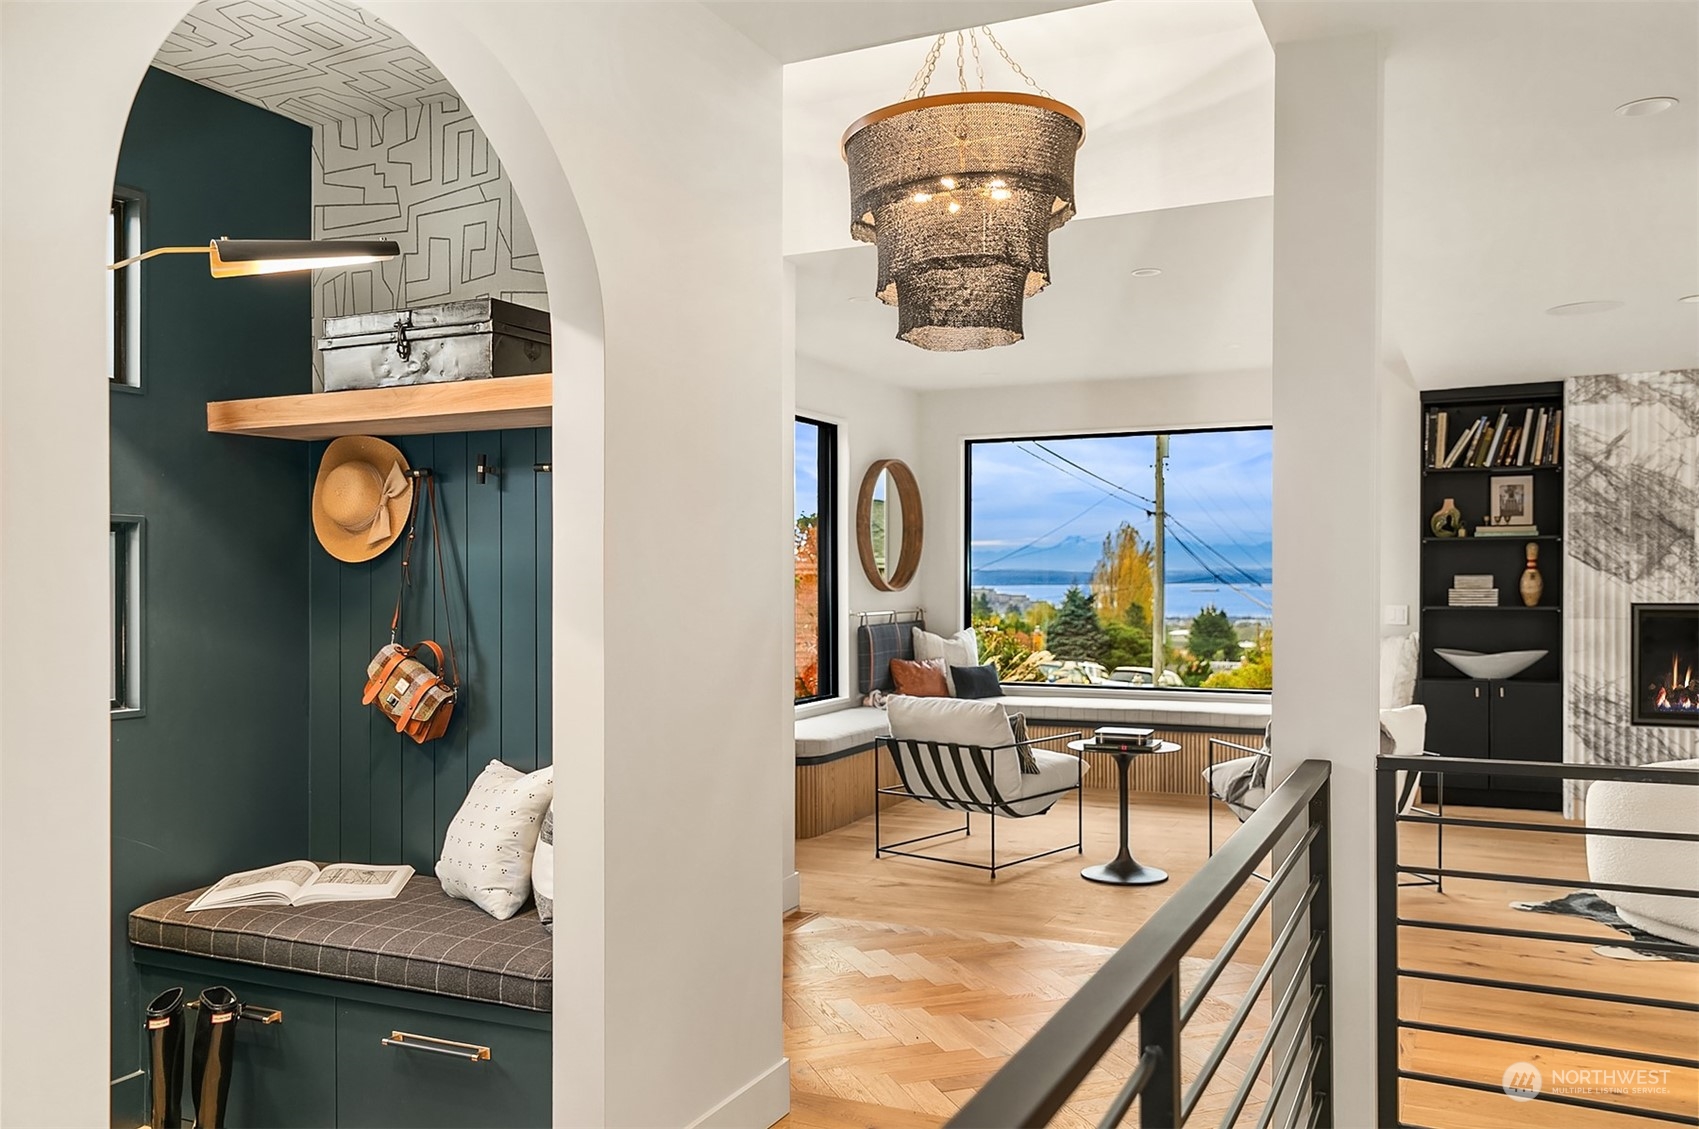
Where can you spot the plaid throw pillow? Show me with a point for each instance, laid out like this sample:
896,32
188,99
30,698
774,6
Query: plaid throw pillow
1029,765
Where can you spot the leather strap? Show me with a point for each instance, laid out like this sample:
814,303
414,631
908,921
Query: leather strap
442,583
413,515
376,685
404,715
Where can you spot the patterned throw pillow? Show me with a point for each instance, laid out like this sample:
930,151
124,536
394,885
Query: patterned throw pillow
543,871
486,855
1029,763
920,679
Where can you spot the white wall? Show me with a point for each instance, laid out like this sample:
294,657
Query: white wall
667,982
1400,498
949,419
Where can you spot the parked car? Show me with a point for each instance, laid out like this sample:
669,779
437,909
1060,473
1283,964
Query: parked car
1075,673
1141,676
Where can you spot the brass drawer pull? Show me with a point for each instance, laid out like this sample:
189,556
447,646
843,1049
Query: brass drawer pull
471,1052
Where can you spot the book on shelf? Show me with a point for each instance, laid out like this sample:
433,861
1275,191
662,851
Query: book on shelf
300,883
1472,597
1507,531
1522,439
1503,437
1471,580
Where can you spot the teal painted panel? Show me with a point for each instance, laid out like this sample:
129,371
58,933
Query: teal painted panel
213,776
387,799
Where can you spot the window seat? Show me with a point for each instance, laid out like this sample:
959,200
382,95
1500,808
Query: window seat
836,762
421,941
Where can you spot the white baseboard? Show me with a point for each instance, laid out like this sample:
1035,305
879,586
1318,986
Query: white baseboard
761,1103
792,892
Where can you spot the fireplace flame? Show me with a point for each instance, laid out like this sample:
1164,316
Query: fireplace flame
1681,693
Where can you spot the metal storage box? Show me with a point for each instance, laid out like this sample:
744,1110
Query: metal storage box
470,340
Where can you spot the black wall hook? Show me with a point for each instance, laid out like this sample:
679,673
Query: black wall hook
483,468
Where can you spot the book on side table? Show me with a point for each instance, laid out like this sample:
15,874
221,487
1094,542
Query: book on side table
300,883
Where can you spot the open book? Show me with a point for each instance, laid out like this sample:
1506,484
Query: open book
300,883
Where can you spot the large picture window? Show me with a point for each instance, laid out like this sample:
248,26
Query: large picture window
813,545
1124,560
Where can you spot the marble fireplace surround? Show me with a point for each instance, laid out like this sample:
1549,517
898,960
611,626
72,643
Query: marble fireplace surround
1631,495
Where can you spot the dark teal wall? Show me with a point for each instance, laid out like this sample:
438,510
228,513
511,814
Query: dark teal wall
212,777
377,796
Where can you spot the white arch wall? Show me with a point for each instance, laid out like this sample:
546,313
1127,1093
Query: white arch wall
669,494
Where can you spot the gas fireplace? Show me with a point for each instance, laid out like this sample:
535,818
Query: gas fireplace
1666,664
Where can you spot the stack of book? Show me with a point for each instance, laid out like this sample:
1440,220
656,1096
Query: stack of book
1473,590
1509,438
1121,739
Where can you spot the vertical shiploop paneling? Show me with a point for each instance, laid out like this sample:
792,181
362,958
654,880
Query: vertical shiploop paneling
375,794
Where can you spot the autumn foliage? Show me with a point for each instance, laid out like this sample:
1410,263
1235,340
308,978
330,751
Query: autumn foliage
806,556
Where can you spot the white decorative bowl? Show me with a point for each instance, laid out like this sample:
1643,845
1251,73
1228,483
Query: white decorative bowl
1499,664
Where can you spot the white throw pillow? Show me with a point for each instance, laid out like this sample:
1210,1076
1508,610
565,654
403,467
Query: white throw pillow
1398,656
961,721
543,871
486,855
960,649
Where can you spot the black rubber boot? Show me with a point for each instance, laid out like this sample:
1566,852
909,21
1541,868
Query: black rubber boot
215,1047
165,1026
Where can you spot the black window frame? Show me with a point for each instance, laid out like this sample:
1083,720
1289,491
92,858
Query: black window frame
967,528
128,218
127,615
826,522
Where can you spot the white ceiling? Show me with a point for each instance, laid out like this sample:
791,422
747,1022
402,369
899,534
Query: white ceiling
1209,311
1510,186
793,30
1178,99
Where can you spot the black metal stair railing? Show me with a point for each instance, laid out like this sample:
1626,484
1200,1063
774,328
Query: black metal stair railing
1391,921
1142,981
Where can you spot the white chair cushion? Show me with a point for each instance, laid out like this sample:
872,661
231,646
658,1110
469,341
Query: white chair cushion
1408,727
1222,777
1647,862
1056,771
1398,657
960,649
962,721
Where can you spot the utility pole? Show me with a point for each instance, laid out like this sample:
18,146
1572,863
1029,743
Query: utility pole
1158,614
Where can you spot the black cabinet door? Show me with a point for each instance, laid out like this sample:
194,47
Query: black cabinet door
1527,725
1458,715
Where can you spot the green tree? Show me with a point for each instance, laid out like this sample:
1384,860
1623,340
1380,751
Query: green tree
1075,634
1040,613
981,608
1213,636
1255,673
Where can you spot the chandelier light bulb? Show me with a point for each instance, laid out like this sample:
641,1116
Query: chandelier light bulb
954,207
1001,194
947,181
922,197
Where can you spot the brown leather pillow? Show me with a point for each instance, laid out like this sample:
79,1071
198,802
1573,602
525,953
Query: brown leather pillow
920,679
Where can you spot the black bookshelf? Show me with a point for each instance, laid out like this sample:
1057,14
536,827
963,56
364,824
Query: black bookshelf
1519,718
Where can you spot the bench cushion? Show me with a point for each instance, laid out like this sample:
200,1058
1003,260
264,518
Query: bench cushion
422,940
839,732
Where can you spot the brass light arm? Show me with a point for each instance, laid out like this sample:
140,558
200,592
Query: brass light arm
122,263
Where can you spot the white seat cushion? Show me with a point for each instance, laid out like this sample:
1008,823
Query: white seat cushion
1056,771
1622,804
1222,776
828,733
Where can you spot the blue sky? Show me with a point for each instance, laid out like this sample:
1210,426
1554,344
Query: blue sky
1033,510
807,466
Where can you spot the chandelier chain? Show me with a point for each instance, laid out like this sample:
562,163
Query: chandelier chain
923,77
1014,66
978,65
961,61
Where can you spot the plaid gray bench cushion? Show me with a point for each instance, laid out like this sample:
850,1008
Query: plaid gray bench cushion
423,940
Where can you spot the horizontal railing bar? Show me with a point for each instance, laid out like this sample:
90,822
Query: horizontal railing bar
1538,935
1560,1099
1555,1044
1277,1021
1560,770
1554,828
1134,1086
1243,929
1317,1049
1571,883
1224,1043
1547,990
1037,1080
1285,1072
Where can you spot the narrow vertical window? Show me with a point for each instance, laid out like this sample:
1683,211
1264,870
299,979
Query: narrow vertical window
123,554
814,554
123,292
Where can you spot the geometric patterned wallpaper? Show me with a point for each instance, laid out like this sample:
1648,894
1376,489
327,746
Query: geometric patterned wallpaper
396,153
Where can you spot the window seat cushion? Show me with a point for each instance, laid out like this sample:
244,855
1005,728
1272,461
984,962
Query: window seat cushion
827,736
422,940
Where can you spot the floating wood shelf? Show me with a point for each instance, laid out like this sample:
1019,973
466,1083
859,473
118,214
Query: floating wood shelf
419,409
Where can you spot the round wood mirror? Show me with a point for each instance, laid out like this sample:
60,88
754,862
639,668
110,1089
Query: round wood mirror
889,525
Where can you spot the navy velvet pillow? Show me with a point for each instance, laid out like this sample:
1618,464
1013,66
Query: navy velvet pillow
976,681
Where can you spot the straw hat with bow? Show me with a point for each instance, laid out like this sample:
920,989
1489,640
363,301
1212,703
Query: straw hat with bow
361,497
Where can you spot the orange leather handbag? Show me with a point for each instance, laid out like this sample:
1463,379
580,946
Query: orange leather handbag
419,700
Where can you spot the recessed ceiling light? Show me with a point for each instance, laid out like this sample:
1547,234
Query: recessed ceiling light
1147,272
1644,107
1690,298
1576,309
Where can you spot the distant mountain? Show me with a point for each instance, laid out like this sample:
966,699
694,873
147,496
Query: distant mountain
1004,577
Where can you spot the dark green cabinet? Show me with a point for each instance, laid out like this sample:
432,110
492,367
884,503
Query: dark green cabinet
410,1070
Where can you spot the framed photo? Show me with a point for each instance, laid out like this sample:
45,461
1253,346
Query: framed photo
1513,500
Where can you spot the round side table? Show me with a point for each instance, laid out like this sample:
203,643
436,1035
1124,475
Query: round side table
1124,869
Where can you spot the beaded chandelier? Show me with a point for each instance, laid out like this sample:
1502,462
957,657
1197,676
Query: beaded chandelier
960,193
